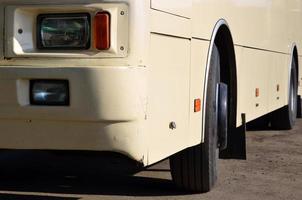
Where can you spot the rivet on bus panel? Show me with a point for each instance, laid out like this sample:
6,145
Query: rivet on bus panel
172,125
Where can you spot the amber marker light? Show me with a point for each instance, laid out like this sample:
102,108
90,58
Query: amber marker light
102,31
257,92
197,105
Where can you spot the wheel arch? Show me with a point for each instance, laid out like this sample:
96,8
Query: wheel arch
294,57
222,38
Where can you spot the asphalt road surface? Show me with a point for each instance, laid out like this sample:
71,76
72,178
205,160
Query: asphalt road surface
273,171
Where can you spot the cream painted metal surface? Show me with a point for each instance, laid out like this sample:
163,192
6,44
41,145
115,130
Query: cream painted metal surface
122,137
168,95
264,24
175,7
170,24
86,104
125,101
198,48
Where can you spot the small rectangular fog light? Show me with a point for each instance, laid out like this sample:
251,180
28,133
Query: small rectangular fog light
49,92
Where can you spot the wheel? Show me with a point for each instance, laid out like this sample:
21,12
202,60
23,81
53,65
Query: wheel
284,118
195,169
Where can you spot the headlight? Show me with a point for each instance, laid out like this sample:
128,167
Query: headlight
63,31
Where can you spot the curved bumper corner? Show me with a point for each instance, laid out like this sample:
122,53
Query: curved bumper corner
106,113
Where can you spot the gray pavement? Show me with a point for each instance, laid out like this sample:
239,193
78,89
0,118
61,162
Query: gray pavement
273,171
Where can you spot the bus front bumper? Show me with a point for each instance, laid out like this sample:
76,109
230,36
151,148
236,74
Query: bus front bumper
106,113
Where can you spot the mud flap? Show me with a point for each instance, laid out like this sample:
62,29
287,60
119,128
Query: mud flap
236,148
222,116
299,111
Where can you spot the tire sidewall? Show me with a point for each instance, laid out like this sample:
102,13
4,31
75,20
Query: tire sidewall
210,149
292,103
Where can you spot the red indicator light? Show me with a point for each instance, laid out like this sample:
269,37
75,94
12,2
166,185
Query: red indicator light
102,31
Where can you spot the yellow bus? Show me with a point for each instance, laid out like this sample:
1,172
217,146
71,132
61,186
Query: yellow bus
148,79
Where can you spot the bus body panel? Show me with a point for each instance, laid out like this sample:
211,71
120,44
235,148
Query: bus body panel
120,137
176,7
263,71
169,24
261,24
142,105
86,103
168,100
199,51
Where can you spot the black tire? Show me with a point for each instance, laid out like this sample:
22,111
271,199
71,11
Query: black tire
285,118
195,169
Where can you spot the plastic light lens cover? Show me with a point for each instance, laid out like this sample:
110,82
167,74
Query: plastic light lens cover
63,31
102,30
49,92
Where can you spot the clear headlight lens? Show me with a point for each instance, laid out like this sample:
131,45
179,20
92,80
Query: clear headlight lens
63,31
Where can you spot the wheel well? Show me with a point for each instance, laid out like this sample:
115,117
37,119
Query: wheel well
296,59
225,45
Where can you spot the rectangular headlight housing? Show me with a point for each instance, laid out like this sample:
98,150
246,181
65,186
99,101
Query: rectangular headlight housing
49,92
63,31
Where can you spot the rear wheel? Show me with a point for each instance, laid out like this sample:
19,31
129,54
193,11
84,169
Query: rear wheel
195,169
284,118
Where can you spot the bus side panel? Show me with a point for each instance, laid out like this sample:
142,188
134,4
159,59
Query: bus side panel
176,7
263,31
278,84
168,89
169,24
295,32
252,76
199,54
262,71
255,23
